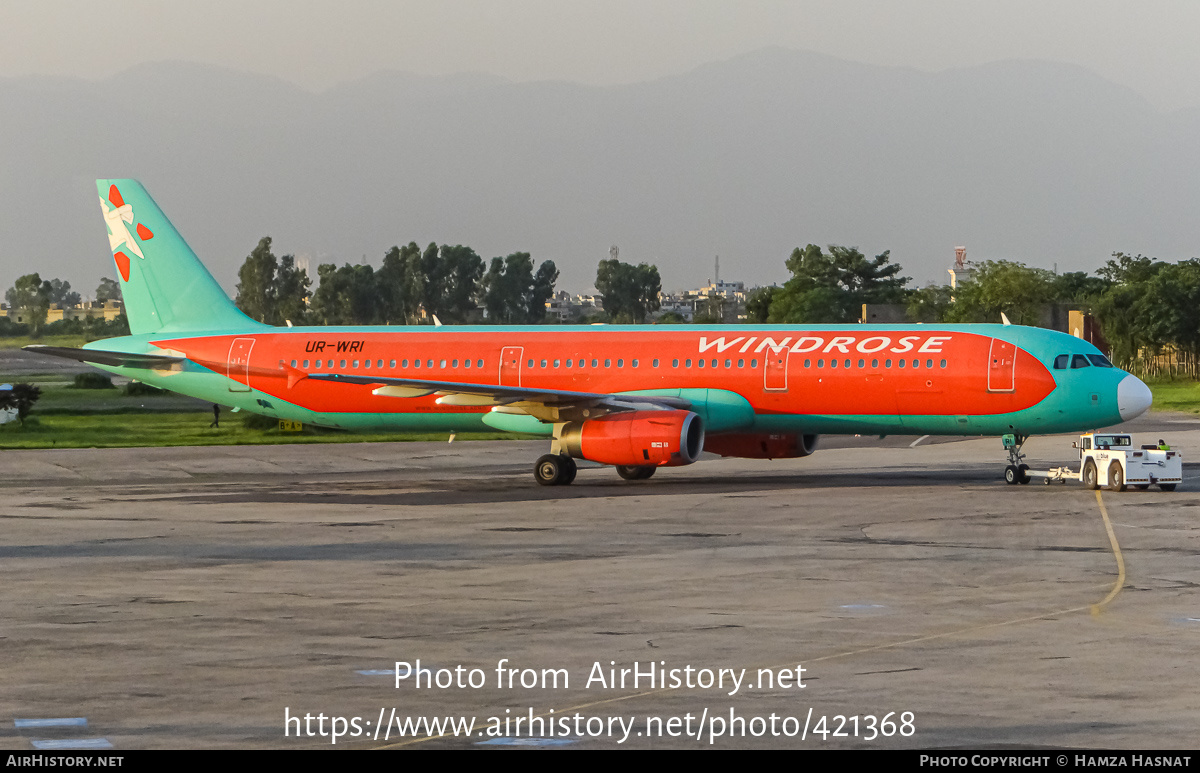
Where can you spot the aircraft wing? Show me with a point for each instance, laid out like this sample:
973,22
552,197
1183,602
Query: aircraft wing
545,404
115,359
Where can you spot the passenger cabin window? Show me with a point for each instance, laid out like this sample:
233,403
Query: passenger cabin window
1079,361
1061,361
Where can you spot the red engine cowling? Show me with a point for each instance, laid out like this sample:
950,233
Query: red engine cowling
637,438
751,446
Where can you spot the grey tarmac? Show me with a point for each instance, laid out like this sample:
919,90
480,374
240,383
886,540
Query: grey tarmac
185,597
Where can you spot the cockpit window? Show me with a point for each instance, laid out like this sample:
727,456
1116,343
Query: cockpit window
1080,361
1099,360
1062,362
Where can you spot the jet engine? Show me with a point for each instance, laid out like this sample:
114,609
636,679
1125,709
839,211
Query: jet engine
761,446
637,438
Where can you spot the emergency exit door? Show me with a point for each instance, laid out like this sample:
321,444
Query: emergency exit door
510,365
238,367
776,366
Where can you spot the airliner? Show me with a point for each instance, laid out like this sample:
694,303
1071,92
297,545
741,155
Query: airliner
635,397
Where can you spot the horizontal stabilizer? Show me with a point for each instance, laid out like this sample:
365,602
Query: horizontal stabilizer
116,359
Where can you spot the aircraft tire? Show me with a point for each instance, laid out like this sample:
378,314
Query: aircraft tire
630,472
1024,470
1090,478
548,470
1167,486
1116,477
1012,475
570,469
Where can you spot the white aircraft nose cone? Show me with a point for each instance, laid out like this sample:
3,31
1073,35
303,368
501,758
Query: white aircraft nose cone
1133,398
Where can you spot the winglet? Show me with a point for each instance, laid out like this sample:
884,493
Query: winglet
1004,319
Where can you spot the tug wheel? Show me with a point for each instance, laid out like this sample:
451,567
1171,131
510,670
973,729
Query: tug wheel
1090,478
1116,477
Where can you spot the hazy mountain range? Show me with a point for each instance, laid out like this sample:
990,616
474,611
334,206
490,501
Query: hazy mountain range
748,158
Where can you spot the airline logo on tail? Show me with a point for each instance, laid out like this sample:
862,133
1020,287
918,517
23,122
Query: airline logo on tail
116,219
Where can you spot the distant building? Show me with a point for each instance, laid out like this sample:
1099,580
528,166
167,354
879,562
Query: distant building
960,272
101,310
884,313
728,299
564,307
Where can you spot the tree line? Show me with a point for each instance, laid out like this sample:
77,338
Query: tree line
34,297
414,285
450,282
1143,305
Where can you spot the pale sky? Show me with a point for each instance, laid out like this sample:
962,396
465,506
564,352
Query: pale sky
1149,46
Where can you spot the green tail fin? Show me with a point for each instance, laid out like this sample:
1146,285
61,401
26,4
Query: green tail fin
165,286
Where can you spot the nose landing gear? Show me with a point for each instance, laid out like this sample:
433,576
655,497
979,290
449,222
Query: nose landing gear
1017,472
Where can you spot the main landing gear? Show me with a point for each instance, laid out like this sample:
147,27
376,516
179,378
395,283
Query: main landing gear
554,470
559,470
1017,472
